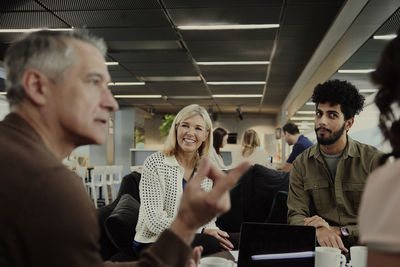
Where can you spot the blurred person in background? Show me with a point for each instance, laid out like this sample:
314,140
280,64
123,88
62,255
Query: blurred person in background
220,139
299,142
250,151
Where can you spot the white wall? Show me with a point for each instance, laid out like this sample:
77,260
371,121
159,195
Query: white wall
4,107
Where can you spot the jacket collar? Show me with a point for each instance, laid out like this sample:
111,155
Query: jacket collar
349,151
171,161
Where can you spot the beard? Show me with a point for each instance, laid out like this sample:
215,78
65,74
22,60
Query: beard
322,140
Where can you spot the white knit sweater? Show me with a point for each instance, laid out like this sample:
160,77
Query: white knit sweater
160,192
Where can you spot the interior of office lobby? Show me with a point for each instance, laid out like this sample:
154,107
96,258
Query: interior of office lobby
251,64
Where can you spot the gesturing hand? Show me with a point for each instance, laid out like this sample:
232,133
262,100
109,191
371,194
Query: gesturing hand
330,238
199,207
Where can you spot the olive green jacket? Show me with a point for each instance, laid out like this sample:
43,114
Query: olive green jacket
312,190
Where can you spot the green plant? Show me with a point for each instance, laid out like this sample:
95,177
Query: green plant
166,125
139,138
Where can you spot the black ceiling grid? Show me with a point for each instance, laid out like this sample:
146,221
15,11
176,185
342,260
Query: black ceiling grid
144,37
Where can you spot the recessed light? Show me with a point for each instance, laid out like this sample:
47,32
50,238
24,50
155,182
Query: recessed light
34,30
236,83
368,90
228,27
385,37
310,104
176,97
3,93
302,118
306,112
138,96
113,63
238,96
171,78
125,83
357,71
206,63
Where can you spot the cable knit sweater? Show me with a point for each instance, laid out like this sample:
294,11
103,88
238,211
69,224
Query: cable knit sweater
160,192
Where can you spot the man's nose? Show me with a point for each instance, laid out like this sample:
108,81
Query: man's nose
109,101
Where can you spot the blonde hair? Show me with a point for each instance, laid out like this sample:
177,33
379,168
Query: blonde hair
171,147
249,142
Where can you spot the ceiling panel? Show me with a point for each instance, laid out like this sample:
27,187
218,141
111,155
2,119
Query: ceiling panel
234,73
230,50
229,35
63,5
180,88
19,5
136,34
236,89
220,3
115,18
150,56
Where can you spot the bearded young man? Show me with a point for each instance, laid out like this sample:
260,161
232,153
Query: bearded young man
327,180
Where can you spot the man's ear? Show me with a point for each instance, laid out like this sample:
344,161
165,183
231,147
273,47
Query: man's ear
349,123
36,86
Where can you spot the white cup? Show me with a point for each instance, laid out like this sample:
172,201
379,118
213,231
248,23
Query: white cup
358,255
329,257
215,262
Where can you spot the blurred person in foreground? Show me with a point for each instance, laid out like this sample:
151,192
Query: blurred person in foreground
57,89
164,178
250,151
379,218
220,139
327,179
299,142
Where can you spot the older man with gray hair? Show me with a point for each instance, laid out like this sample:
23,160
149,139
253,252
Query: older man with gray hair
57,89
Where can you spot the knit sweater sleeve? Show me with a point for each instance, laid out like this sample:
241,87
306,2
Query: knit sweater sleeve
152,196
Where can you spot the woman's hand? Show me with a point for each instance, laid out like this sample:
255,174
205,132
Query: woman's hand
194,262
222,237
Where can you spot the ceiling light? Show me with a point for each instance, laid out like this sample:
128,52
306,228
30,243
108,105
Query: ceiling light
385,37
176,97
206,63
238,95
303,123
302,118
310,104
236,83
113,63
138,96
34,30
171,78
229,27
368,90
357,71
306,112
3,93
125,83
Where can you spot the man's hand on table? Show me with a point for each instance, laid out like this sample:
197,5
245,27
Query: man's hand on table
327,236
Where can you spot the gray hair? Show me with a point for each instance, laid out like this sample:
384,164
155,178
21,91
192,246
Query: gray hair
50,52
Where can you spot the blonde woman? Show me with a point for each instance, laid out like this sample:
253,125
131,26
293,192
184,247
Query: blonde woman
165,175
250,150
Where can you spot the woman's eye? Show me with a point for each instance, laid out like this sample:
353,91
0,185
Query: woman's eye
199,129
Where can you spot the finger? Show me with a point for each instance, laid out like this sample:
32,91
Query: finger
341,245
224,246
202,172
223,234
333,241
191,263
197,254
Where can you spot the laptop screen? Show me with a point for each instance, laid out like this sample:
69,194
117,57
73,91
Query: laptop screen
263,244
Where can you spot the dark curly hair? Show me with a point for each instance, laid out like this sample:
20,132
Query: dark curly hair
387,78
340,92
218,137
